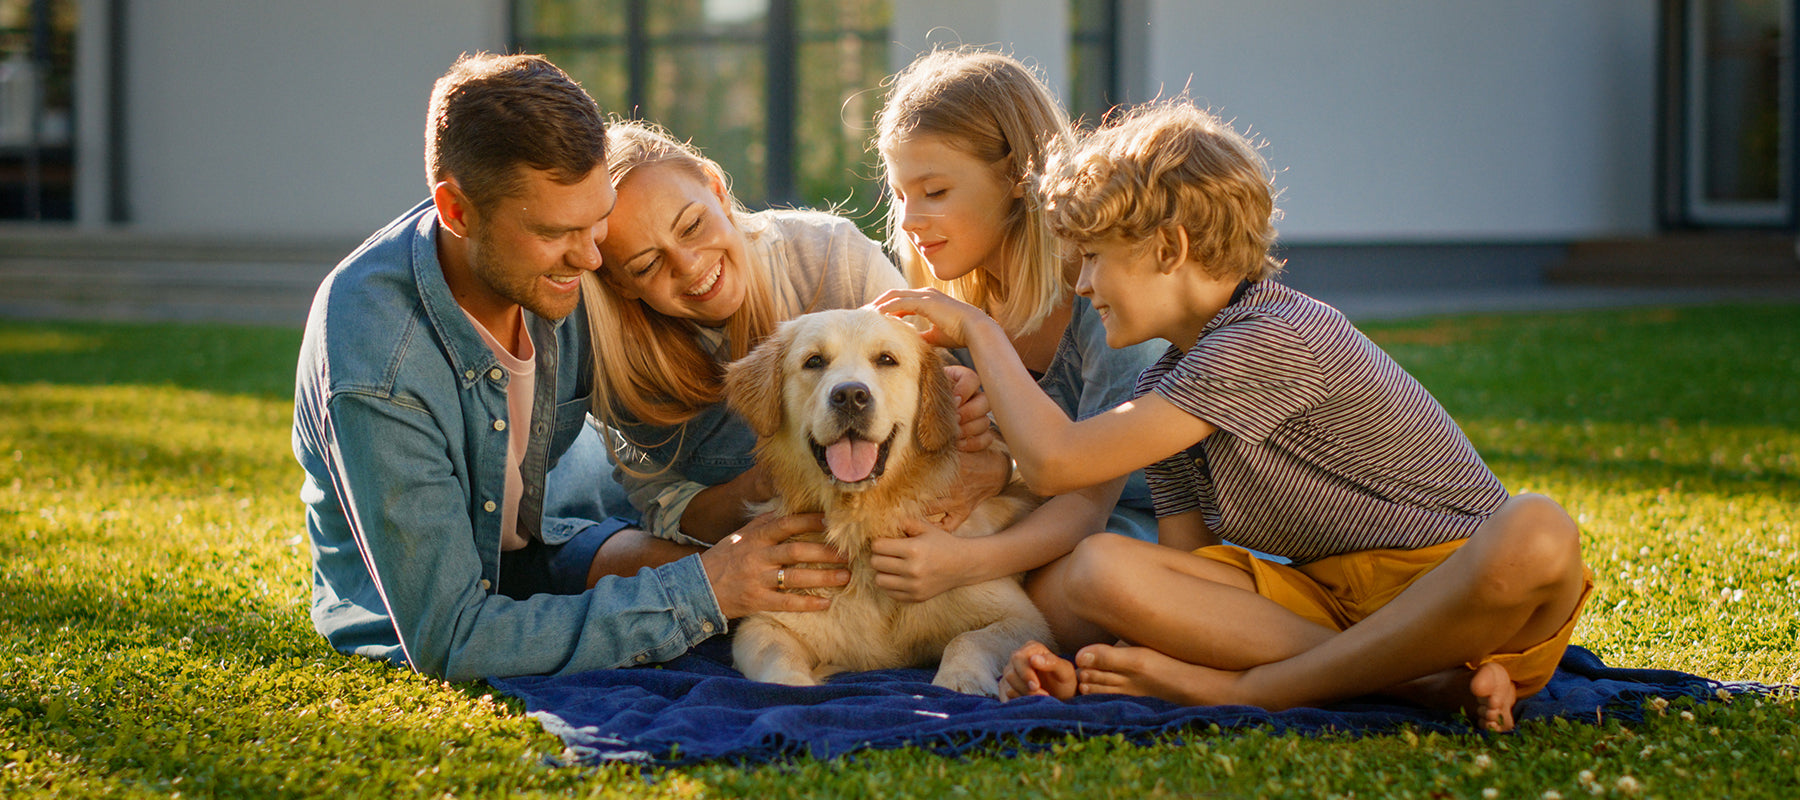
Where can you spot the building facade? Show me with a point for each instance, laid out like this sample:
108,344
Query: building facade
1391,121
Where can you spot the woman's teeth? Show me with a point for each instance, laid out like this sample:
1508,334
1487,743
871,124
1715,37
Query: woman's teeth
708,285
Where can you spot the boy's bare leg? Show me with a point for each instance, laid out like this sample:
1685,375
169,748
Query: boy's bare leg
1512,586
1195,609
629,550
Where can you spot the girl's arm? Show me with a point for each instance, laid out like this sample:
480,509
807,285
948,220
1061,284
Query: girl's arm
930,560
1054,455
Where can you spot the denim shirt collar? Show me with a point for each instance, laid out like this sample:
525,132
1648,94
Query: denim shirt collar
469,354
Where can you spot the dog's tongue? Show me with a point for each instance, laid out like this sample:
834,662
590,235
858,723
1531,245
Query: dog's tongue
851,460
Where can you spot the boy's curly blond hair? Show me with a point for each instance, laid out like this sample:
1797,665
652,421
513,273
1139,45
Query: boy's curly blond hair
1168,165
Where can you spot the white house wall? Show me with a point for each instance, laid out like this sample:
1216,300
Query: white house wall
1421,120
1389,120
287,119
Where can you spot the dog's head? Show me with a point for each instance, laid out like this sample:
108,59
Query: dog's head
854,387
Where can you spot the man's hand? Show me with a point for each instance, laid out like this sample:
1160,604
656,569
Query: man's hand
751,569
976,430
1034,670
923,564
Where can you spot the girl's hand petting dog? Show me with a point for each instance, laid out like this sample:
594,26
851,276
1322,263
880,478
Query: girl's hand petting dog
1034,670
925,563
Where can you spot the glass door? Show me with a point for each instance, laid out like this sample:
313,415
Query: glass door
1739,113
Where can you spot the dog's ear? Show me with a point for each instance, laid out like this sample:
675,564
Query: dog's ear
753,383
935,427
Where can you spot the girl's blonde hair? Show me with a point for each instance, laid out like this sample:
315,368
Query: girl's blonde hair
1162,166
993,108
647,365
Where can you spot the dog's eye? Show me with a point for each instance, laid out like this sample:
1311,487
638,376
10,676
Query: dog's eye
887,360
814,361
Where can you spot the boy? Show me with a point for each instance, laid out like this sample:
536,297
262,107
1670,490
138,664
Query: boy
1272,423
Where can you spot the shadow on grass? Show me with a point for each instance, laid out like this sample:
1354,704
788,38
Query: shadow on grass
216,358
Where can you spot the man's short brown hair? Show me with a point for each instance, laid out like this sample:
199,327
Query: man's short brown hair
1168,165
491,114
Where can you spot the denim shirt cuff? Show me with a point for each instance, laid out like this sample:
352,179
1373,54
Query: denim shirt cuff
696,607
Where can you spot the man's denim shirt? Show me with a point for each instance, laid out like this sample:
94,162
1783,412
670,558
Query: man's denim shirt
399,422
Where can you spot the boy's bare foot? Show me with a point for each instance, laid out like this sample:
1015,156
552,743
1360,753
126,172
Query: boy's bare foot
1486,694
1141,671
1492,689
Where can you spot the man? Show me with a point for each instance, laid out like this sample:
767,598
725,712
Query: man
444,372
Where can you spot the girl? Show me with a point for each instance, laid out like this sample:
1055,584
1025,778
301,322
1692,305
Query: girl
689,282
959,133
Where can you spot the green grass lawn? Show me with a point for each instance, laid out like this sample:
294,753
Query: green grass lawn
154,579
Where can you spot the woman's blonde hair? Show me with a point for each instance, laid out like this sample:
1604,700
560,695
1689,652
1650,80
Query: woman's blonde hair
992,107
648,365
1162,166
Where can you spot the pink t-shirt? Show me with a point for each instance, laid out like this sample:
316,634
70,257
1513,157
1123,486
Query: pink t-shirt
519,393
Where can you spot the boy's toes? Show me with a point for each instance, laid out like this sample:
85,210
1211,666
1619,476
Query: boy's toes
1495,695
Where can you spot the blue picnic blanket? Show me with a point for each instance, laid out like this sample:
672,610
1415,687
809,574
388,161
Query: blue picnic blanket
697,708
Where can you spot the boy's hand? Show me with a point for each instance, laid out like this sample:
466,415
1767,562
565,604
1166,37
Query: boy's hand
1034,670
923,564
975,429
951,320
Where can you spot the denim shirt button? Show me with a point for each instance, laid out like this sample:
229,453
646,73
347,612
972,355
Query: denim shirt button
469,374
641,658
488,506
485,584
499,424
495,374
707,626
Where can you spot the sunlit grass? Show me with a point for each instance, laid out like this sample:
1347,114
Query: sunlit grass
154,583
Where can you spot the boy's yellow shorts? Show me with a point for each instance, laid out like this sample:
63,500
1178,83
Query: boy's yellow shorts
1339,591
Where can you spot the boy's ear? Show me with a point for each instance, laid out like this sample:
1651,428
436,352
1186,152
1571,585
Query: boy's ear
1171,247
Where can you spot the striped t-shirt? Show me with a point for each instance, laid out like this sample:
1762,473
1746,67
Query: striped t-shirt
1325,444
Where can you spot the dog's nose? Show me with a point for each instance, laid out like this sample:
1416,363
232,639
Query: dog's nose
851,397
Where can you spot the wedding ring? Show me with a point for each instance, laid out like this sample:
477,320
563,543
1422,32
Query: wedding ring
781,579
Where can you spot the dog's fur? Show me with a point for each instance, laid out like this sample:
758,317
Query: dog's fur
857,373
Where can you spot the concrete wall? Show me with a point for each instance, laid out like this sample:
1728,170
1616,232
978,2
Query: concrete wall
287,119
1417,120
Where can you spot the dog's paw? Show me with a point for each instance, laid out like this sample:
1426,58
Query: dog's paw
968,681
788,677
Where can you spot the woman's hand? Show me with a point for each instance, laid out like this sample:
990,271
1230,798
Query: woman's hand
952,321
752,569
925,563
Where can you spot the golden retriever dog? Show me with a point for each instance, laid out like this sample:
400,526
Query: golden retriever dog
854,418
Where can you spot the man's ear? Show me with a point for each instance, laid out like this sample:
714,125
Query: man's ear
1171,248
455,211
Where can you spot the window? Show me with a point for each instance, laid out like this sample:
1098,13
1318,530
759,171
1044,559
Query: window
782,93
37,68
1093,60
